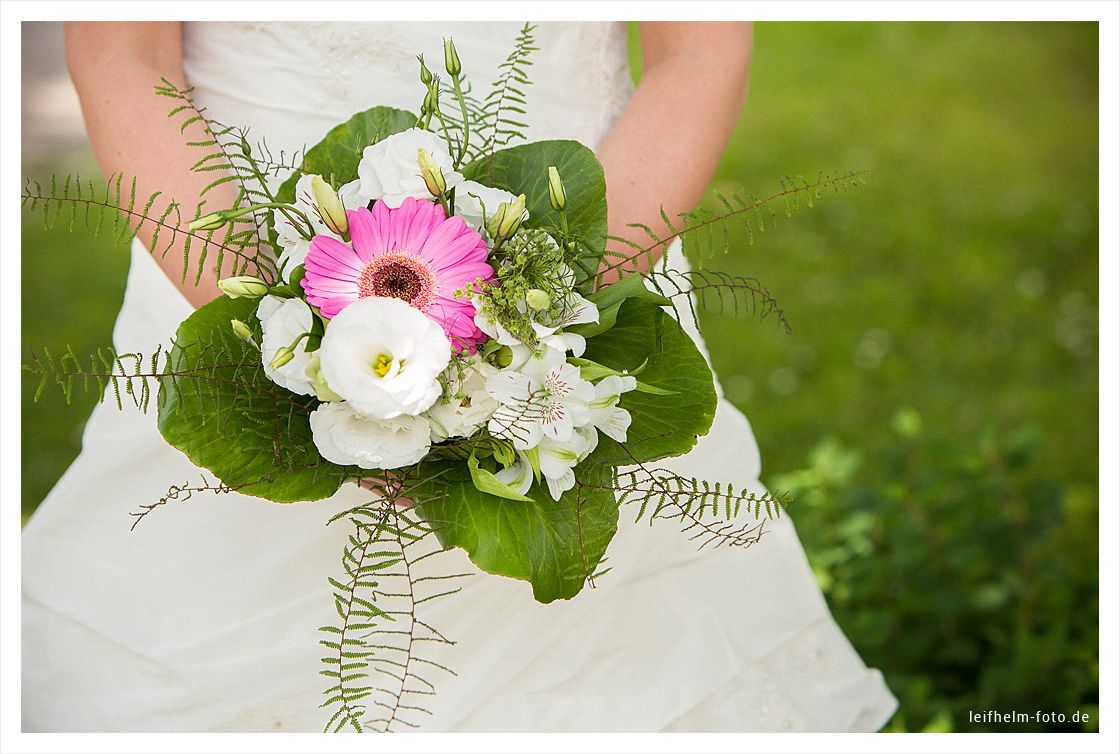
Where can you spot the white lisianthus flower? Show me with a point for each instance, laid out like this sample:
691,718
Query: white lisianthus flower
390,169
292,244
282,321
558,459
473,200
469,406
384,357
605,414
537,405
350,439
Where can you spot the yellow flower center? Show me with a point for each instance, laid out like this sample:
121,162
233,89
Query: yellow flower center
382,365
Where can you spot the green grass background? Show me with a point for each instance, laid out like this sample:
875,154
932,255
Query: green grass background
934,411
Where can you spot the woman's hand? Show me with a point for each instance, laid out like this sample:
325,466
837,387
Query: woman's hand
664,149
387,486
115,68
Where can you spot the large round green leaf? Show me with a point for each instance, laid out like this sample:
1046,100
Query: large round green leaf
221,410
553,544
524,170
337,155
662,425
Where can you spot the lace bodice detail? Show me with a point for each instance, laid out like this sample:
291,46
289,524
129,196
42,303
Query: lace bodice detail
290,82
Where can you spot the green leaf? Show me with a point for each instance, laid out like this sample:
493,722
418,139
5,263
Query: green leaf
336,156
524,170
486,481
593,372
538,541
231,419
662,425
609,300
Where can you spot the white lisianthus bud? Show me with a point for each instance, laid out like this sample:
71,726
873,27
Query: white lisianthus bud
242,331
330,206
431,173
506,219
282,357
431,99
538,299
451,58
425,74
243,286
557,196
212,221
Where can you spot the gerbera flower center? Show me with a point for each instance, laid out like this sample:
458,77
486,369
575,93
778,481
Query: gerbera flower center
398,275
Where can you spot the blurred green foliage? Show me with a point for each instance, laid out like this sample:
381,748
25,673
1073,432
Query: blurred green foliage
935,411
943,361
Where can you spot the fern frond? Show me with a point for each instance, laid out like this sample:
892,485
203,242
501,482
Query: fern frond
81,200
711,227
128,374
501,113
719,291
375,652
707,511
181,493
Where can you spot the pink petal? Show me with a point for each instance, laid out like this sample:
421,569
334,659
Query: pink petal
451,243
365,234
460,277
328,253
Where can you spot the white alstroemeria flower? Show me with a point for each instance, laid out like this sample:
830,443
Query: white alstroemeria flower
577,311
350,439
558,459
535,406
605,415
469,406
292,244
390,169
282,321
473,200
518,475
384,357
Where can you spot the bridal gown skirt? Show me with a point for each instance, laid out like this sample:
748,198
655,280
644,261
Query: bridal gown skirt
205,617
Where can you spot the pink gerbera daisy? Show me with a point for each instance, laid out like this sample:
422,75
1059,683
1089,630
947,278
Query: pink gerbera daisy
414,252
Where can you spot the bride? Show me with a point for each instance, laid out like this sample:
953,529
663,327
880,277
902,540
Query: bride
206,617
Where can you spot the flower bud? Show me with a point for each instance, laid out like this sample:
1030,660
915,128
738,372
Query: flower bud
557,197
425,74
282,357
330,206
451,58
538,299
213,221
503,357
506,219
243,286
431,99
431,173
241,330
318,382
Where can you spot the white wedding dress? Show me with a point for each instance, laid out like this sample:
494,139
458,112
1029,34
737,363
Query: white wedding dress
205,617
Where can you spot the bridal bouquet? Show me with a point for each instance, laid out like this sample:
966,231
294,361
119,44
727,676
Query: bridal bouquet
428,311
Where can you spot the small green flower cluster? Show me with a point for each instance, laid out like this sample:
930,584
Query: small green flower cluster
533,284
